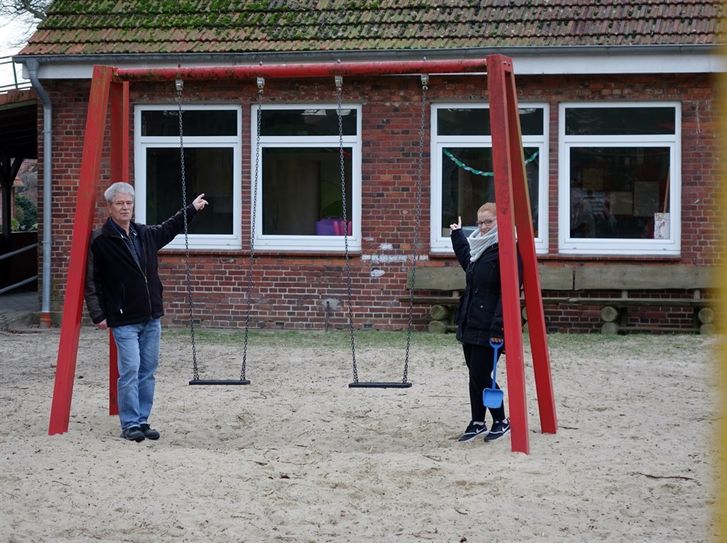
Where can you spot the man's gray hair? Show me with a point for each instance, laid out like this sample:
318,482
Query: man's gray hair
118,188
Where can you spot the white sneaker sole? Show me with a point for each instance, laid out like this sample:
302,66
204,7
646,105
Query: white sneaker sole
474,436
496,436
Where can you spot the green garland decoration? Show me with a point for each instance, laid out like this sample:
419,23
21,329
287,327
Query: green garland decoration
470,169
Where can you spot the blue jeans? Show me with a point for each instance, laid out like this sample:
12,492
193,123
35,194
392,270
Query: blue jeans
138,348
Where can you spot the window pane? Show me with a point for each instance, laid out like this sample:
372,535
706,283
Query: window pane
463,122
207,122
531,121
467,183
302,189
207,170
619,192
604,121
306,122
476,121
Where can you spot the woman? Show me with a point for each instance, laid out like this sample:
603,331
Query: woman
479,317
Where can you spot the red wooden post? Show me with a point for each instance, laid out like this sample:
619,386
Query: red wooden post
83,220
531,279
502,162
119,172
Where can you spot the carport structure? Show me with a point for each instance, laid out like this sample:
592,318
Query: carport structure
18,142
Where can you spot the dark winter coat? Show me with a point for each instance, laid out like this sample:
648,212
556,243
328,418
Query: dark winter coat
120,289
479,315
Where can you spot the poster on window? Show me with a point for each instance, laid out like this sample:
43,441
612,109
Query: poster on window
622,203
646,198
661,226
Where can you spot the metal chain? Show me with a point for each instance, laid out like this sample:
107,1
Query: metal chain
179,85
339,92
417,223
253,212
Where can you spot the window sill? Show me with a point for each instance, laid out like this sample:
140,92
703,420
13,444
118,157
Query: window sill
258,252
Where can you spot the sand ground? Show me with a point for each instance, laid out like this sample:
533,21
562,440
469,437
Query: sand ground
297,456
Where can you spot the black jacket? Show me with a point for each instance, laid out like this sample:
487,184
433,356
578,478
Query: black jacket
118,288
479,315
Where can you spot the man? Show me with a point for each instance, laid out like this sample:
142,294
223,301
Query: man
124,293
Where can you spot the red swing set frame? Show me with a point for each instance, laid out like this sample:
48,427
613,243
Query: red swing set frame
110,86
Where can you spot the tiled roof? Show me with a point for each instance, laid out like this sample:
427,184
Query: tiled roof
83,27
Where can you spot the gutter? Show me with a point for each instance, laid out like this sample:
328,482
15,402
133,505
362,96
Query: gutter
378,54
32,65
536,60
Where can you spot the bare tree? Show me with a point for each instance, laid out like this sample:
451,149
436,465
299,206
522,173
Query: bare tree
18,19
24,8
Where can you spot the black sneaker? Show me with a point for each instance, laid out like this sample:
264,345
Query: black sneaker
149,432
133,433
473,430
499,429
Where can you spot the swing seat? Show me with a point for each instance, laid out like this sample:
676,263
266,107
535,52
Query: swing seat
375,384
219,382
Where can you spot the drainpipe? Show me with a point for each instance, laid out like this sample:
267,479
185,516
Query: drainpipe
32,66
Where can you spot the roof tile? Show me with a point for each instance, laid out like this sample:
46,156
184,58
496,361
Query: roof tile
83,27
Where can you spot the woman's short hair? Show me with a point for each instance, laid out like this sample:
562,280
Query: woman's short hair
488,206
118,188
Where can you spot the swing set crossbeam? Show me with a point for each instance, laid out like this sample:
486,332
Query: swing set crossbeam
302,70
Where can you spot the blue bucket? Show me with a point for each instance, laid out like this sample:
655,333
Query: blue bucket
493,397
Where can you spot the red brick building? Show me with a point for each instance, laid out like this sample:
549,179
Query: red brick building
619,120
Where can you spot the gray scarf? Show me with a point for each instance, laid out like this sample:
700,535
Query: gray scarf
479,243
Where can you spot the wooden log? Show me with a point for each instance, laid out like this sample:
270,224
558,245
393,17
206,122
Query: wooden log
439,312
438,327
706,315
609,328
609,313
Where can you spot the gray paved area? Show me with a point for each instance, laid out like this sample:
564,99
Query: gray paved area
19,309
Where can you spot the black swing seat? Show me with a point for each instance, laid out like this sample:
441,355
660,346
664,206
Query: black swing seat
219,382
374,384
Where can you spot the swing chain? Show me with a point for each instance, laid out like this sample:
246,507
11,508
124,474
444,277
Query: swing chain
179,86
253,213
417,222
344,213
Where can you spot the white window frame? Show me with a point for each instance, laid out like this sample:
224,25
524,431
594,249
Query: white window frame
307,243
443,245
142,143
613,246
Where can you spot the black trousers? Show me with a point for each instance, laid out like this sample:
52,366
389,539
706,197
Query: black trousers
479,360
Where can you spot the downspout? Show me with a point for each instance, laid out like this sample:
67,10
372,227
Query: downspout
32,66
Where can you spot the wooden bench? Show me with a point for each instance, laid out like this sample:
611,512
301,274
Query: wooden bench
572,284
450,282
626,278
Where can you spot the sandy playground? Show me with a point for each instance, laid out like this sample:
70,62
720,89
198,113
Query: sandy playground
297,456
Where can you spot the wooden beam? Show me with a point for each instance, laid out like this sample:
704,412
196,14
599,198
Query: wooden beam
531,279
502,158
643,277
93,143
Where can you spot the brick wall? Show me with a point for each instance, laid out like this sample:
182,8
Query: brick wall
289,290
